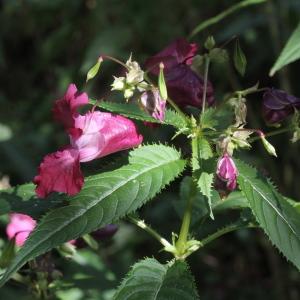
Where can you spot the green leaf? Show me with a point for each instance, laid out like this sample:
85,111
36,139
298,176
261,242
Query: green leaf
205,185
210,230
208,118
219,56
277,217
150,280
216,19
204,149
104,199
162,83
239,59
290,52
133,111
22,199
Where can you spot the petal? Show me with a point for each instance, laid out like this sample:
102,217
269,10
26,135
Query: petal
119,134
65,108
20,226
59,172
185,87
102,134
179,52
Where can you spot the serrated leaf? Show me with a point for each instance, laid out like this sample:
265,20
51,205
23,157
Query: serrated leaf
239,59
208,118
204,149
150,280
290,52
205,184
133,111
104,199
277,217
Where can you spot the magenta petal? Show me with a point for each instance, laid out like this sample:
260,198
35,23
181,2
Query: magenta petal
65,108
19,227
59,172
119,134
102,134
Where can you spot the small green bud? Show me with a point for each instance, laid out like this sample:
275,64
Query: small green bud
210,43
239,59
162,83
94,69
268,146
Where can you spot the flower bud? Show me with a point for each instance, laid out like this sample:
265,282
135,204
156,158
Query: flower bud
227,172
153,104
268,146
135,73
128,93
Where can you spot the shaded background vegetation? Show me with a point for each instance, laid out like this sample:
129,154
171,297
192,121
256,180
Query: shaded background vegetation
45,45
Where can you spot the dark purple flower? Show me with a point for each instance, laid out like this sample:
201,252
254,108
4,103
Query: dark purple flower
277,105
226,179
184,86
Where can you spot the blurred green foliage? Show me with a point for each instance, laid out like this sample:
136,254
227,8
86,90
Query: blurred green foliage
45,45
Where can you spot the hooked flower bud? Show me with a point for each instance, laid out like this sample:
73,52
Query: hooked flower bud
278,105
226,173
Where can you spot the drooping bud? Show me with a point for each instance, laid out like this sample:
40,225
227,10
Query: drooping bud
94,69
153,104
268,146
227,172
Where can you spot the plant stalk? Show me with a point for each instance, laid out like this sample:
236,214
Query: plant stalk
206,68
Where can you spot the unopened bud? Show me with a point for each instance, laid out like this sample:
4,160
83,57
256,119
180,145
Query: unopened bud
268,146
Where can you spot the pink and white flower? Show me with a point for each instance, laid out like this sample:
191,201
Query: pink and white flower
92,135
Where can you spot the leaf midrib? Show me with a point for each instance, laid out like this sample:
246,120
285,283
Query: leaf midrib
92,204
270,203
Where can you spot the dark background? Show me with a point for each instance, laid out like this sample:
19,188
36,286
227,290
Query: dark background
45,45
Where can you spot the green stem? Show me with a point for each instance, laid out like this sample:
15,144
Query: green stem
275,132
225,230
144,226
186,221
206,68
115,60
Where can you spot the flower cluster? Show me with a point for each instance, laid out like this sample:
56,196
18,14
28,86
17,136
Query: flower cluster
92,135
185,87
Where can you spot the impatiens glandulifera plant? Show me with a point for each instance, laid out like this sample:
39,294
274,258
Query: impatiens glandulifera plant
172,88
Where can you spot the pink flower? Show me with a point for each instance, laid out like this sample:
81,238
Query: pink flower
60,172
227,172
65,108
19,227
93,135
153,104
